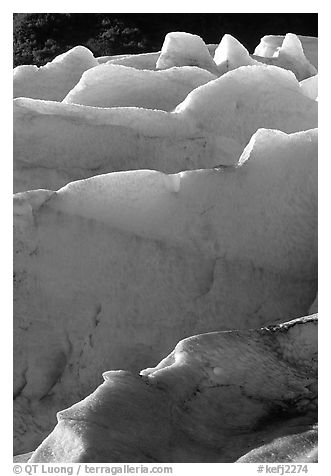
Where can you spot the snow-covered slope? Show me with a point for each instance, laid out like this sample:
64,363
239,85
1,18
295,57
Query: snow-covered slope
211,400
111,271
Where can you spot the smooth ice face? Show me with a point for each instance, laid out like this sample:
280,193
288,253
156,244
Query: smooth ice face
202,250
309,87
142,60
139,61
185,49
291,56
113,85
270,44
54,80
231,54
55,143
152,123
209,400
314,307
301,447
239,102
147,202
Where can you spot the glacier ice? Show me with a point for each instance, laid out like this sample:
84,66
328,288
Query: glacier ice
270,44
54,80
231,54
185,49
114,85
239,102
309,87
175,194
140,61
113,270
55,143
184,411
58,143
291,56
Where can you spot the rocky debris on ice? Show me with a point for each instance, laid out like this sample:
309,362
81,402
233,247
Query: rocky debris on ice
213,399
309,87
270,45
231,54
54,80
111,271
114,85
55,143
184,49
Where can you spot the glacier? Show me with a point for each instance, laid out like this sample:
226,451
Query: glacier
55,143
212,399
147,258
165,219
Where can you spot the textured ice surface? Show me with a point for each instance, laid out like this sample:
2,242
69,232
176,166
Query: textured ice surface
239,102
184,49
270,44
58,143
54,80
309,87
231,54
140,61
299,446
314,307
111,271
291,56
55,143
114,85
212,399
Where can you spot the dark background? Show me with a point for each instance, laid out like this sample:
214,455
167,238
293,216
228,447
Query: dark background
39,37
